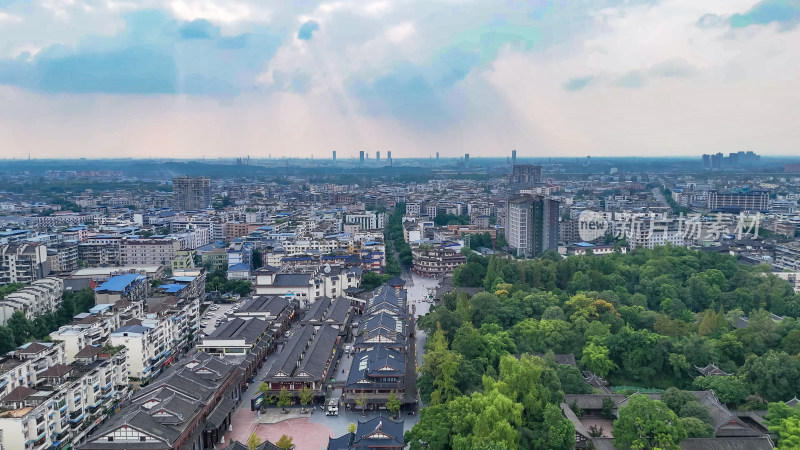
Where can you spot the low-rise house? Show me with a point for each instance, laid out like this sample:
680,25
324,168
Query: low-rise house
236,337
380,433
306,360
189,407
375,374
327,311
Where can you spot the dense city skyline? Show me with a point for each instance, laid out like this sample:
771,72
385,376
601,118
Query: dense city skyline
188,79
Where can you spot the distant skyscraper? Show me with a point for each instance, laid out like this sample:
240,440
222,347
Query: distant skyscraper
706,162
334,155
532,227
466,158
389,157
525,176
716,161
361,157
513,157
191,193
378,156
437,156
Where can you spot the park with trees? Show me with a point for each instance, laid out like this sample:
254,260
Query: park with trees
645,321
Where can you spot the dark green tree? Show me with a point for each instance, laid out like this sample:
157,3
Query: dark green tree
647,424
774,375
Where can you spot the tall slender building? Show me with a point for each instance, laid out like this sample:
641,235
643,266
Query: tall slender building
389,157
513,157
378,156
191,193
334,155
532,227
361,157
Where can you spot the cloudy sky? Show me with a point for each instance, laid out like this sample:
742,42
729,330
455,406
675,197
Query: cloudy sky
192,78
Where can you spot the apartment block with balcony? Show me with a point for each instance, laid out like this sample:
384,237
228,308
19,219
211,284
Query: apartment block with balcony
65,402
23,263
166,330
95,327
148,251
23,366
42,296
434,258
63,257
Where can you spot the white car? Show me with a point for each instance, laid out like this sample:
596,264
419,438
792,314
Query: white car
204,324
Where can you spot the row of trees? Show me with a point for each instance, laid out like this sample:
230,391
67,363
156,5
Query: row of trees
647,318
396,243
19,329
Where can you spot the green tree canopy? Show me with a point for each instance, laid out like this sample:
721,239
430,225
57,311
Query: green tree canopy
645,424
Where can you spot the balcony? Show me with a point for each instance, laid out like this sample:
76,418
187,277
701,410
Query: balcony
76,416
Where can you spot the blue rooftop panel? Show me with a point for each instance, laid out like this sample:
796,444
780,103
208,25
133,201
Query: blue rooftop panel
183,279
120,282
172,288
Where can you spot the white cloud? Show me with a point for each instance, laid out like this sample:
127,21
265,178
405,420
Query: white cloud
378,8
400,33
658,82
226,13
8,18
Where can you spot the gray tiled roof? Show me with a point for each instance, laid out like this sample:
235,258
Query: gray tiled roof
265,303
181,392
249,330
292,280
314,346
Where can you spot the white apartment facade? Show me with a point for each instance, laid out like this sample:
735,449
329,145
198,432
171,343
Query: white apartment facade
148,251
95,329
22,263
40,297
23,366
65,405
160,336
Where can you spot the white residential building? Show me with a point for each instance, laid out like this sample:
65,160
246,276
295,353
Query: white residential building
367,220
40,297
62,403
162,334
148,251
94,328
22,263
23,366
